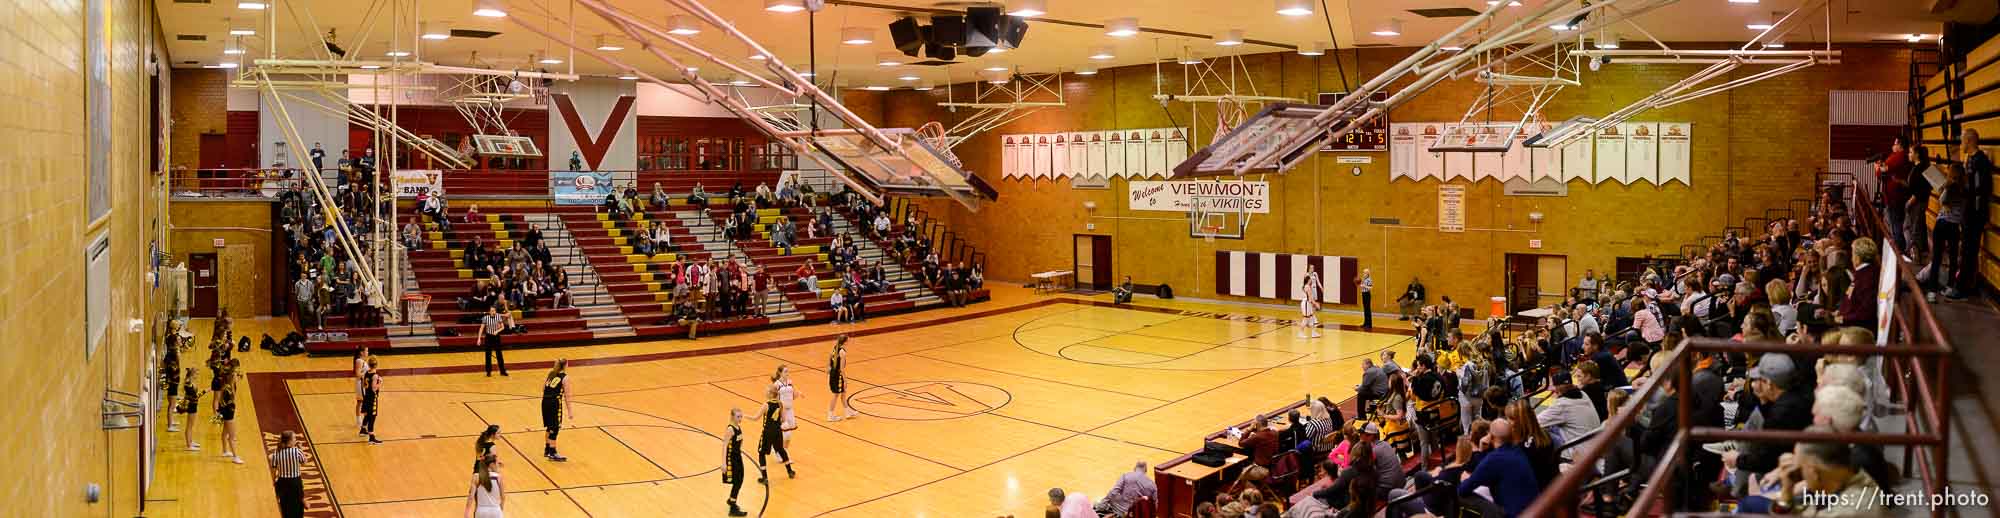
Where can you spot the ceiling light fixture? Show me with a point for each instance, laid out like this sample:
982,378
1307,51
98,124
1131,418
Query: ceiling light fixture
628,76
1561,26
225,64
1102,52
1029,8
807,73
1394,28
242,31
1295,7
1777,43
1510,3
740,82
397,53
682,25
1189,58
1760,26
856,35
1317,48
1121,27
784,6
1229,38
254,6
490,9
888,59
1086,71
923,87
873,88
606,45
550,60
909,77
1915,38
429,34
757,57
996,50
1452,48
1742,1
371,67
1607,40
233,47
997,66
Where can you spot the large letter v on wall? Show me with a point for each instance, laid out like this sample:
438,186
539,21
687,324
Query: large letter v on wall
593,148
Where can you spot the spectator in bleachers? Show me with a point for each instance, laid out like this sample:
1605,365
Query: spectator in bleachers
761,287
659,198
978,276
698,197
1506,471
857,305
881,225
1858,309
839,305
787,196
764,197
1411,299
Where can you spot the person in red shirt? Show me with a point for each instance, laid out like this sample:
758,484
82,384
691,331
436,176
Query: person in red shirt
1893,173
1262,442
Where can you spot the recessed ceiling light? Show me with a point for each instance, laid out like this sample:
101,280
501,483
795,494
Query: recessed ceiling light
232,51
254,6
1086,71
489,9
1121,27
856,36
807,73
1451,48
682,25
1229,38
551,60
431,34
997,66
876,88
1775,44
1295,7
628,76
1001,80
1607,43
888,59
1393,28
1510,3
606,45
1742,1
1913,38
784,6
996,50
1102,52
370,67
1313,49
756,57
242,31
1759,26
909,77
1028,8
397,53
691,70
740,82
225,64
1561,26
923,87
1189,58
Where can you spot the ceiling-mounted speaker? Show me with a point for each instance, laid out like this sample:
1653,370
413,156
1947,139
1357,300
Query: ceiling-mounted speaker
908,36
947,31
939,52
982,27
976,51
1012,29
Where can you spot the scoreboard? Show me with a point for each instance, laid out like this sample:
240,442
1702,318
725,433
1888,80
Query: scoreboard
1373,136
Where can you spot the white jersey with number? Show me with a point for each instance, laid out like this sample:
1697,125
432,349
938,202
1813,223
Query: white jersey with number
785,395
1309,304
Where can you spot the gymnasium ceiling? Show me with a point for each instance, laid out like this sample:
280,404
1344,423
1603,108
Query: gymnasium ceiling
1170,26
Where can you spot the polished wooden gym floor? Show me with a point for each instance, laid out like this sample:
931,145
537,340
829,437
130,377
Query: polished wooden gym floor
969,412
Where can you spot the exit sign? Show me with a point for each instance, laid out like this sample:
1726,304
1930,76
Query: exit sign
1535,244
218,242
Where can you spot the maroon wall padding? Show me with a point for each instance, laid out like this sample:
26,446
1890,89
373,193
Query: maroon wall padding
240,132
1857,142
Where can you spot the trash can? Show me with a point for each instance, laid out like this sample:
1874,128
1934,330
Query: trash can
1499,307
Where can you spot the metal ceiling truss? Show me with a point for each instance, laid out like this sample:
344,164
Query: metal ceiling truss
996,105
1202,83
893,159
1292,132
1720,63
1521,86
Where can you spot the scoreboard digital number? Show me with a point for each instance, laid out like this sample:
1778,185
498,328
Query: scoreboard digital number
1373,136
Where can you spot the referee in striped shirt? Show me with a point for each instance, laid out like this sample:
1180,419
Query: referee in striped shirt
291,490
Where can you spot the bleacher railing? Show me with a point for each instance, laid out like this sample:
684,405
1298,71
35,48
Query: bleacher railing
1917,363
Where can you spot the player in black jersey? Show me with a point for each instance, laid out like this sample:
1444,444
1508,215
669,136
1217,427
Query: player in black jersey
773,437
836,381
225,409
555,403
484,446
170,374
371,402
190,405
732,460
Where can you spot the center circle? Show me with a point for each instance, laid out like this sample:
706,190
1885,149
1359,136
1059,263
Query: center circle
929,400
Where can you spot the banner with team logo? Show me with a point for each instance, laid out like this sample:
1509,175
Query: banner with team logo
409,182
1181,196
580,187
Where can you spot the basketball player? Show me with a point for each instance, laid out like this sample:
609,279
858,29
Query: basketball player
786,394
732,460
555,403
836,381
484,446
371,402
225,410
773,437
190,406
170,375
1309,306
360,381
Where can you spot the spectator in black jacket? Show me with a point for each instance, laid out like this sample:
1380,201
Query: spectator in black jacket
1783,406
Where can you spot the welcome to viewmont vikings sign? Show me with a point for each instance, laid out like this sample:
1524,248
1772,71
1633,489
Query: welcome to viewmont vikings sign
1181,196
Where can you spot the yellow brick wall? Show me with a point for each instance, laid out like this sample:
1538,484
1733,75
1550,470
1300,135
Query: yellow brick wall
1755,148
53,445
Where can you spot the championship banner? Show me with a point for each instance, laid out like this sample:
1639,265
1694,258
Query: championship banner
1181,196
409,182
580,187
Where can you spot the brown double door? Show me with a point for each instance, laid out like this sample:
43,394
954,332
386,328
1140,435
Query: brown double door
1092,261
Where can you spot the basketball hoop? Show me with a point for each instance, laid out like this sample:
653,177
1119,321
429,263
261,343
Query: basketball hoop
416,308
1208,233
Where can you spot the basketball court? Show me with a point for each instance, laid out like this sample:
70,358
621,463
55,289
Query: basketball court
1025,393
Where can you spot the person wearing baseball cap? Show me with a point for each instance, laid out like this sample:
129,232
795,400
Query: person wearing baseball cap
1782,404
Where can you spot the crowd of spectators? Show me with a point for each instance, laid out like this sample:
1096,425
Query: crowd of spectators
324,279
1485,423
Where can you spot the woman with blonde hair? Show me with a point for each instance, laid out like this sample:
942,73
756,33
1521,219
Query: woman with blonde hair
1540,447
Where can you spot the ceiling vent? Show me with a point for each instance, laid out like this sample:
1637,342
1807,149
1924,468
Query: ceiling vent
1445,12
469,33
190,37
